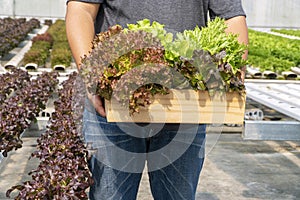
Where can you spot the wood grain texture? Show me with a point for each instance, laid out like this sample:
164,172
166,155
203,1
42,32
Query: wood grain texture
184,106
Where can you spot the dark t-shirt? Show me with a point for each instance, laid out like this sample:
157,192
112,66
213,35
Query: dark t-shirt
177,15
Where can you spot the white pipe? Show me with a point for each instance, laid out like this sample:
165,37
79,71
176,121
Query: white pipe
254,72
31,66
289,75
14,62
296,70
44,70
270,74
59,67
2,69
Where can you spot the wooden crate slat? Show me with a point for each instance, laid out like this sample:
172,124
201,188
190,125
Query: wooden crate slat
184,106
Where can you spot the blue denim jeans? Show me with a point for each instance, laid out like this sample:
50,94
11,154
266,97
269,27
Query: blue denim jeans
174,154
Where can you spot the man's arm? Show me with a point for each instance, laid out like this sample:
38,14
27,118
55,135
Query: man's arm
238,26
80,18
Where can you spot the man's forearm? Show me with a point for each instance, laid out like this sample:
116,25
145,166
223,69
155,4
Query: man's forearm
238,25
80,28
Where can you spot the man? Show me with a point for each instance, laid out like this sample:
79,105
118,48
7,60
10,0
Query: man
113,178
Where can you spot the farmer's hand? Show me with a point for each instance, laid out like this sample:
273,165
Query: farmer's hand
97,103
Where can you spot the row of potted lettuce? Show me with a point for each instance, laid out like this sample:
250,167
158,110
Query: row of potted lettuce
272,56
60,150
63,165
13,31
22,99
50,48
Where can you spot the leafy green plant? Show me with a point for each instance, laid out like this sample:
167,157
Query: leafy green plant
61,52
62,172
270,52
57,30
48,22
293,32
54,39
13,31
43,37
208,59
38,53
18,111
224,50
14,80
270,63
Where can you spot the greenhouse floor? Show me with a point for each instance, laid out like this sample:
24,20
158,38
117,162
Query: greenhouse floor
234,169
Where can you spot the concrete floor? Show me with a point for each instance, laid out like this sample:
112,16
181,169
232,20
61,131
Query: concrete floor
234,169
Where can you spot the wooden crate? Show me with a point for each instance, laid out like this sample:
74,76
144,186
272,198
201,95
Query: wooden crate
184,106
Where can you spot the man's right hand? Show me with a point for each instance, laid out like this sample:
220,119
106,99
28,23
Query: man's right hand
97,103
